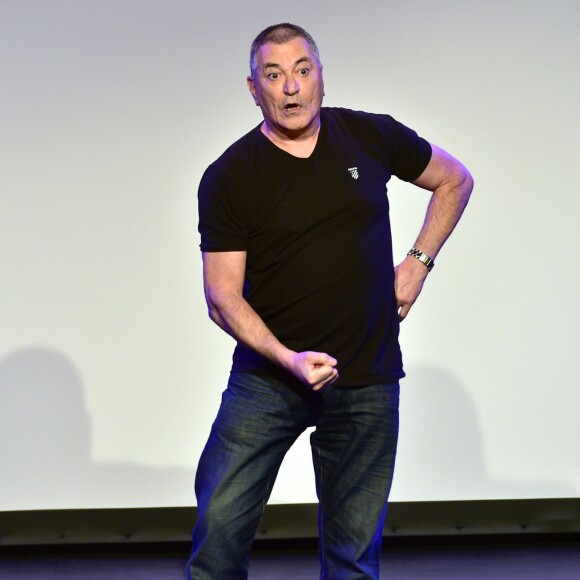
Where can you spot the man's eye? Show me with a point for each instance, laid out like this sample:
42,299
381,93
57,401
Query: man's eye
273,76
304,72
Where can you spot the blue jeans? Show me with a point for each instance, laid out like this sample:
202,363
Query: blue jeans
353,450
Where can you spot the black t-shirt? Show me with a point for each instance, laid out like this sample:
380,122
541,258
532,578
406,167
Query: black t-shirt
316,231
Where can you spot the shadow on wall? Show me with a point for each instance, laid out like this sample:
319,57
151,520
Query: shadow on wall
441,452
45,444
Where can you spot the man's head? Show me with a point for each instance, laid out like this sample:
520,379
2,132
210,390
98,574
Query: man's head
279,34
286,80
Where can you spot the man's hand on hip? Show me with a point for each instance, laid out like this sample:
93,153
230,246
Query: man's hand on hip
410,275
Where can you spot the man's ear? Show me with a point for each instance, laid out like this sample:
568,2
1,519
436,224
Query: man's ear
252,90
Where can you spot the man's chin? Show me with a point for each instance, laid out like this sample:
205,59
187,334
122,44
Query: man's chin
295,128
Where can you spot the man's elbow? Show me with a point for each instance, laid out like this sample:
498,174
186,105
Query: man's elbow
462,182
216,303
468,181
214,314
466,188
213,310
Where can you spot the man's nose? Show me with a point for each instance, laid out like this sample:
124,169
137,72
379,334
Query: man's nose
291,87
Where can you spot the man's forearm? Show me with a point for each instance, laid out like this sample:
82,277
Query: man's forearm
224,274
451,185
234,315
444,211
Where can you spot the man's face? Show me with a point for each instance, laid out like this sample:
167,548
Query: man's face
287,85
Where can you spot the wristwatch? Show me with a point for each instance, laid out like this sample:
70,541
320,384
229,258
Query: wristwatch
422,257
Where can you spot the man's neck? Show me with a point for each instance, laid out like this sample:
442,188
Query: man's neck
300,145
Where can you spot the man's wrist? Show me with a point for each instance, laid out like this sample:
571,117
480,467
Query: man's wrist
283,357
424,258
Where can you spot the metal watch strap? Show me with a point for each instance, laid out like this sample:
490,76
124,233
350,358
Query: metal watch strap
422,257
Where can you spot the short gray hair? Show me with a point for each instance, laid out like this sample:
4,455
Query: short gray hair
279,34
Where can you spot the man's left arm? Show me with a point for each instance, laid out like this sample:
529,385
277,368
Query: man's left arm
451,184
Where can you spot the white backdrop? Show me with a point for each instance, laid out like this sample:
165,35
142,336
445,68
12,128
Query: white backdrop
110,370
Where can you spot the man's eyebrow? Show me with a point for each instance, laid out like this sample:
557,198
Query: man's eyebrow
276,65
302,59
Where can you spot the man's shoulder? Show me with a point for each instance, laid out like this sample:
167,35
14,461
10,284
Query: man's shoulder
375,126
408,154
344,115
238,153
244,161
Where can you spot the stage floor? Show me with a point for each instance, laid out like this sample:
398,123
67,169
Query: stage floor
546,562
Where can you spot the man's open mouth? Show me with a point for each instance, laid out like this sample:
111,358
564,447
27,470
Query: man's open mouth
291,106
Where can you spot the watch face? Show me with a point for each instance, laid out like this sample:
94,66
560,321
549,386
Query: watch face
422,257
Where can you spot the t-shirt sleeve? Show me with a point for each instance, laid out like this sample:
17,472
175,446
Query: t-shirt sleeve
408,153
221,223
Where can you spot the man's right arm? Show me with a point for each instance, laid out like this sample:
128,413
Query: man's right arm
223,276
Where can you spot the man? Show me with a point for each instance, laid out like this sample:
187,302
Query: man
298,268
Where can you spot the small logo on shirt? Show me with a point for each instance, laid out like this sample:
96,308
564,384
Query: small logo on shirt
353,172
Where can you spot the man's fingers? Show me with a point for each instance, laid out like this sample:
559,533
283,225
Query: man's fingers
327,381
321,358
322,372
316,369
322,376
403,311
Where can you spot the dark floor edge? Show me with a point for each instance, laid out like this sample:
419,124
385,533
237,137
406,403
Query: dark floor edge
484,541
406,521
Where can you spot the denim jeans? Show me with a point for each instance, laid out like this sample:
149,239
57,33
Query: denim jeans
353,449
